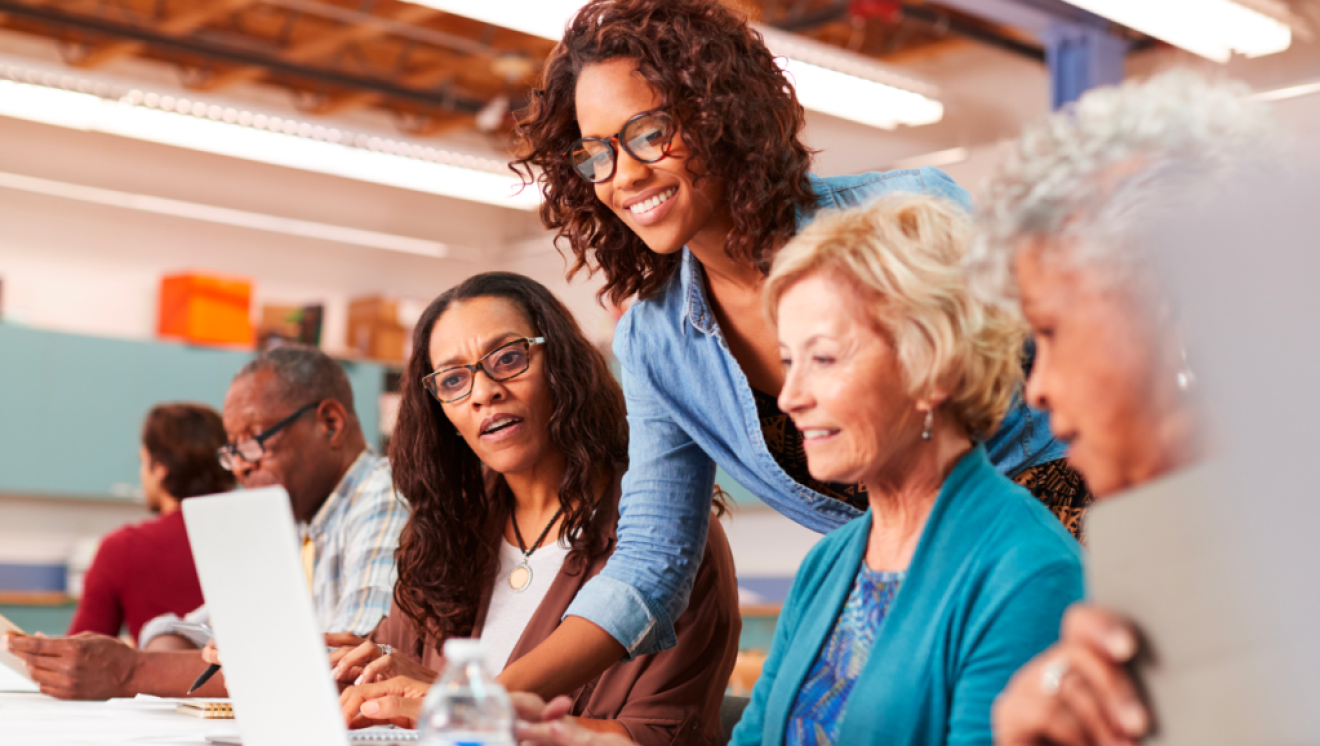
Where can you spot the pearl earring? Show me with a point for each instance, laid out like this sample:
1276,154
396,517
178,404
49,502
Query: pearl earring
930,425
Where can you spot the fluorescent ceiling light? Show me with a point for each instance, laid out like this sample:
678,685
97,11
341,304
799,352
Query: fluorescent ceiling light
827,79
1214,29
197,125
223,215
1292,91
937,159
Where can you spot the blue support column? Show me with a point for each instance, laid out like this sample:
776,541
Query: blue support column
1081,57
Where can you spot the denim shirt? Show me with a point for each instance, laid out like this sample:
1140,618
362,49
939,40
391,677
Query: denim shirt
690,407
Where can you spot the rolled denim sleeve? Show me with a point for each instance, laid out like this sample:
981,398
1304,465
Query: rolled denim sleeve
663,517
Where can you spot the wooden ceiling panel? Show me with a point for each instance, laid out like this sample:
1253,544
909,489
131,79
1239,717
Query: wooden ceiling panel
424,65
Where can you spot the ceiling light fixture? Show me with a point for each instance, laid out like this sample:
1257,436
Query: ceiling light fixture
223,215
827,79
96,106
1214,29
938,159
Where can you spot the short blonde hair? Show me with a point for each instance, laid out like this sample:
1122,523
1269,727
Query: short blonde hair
906,252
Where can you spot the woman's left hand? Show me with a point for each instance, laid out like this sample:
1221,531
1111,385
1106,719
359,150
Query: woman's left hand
397,702
370,663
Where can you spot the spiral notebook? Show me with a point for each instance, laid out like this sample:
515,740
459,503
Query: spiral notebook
381,734
209,709
13,671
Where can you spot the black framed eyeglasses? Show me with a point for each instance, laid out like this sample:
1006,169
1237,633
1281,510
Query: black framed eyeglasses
645,137
450,384
252,449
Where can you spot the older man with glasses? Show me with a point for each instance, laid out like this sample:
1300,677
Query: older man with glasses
290,421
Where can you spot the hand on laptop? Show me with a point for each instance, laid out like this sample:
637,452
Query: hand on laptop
86,666
370,663
1077,691
397,702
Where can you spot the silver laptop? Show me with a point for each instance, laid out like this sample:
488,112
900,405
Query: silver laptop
245,546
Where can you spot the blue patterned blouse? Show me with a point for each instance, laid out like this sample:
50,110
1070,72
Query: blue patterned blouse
820,704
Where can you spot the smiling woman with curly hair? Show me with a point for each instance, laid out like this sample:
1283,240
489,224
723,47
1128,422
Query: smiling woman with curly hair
667,143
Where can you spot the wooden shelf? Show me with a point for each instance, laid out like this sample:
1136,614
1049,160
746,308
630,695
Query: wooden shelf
35,598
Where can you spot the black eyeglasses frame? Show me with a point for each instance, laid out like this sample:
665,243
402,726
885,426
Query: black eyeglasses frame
227,453
428,380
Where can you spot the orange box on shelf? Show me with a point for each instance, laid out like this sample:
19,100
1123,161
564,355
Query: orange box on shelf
206,309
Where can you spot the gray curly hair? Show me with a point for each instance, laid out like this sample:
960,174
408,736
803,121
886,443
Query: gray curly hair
1093,176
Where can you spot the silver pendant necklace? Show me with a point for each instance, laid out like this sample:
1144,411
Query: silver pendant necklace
521,577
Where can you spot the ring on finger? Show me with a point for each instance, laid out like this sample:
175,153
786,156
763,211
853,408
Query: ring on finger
385,649
1052,677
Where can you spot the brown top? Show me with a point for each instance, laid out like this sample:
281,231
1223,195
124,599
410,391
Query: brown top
672,697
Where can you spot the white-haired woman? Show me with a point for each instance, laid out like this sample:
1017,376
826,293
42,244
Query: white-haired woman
1063,240
901,627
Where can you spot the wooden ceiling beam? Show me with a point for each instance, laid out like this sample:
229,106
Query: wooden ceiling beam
324,44
178,24
431,76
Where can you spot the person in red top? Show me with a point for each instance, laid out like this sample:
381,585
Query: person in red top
146,569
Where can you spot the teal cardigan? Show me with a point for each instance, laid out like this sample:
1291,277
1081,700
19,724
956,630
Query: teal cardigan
985,592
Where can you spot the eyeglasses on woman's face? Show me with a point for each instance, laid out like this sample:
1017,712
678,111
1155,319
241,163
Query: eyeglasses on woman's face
450,384
645,137
252,449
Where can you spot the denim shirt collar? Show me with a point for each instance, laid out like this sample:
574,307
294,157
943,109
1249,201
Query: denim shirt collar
695,310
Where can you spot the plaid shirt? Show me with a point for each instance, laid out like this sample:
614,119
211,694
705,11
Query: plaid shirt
356,532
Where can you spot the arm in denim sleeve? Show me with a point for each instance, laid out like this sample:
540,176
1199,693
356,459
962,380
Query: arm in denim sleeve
663,517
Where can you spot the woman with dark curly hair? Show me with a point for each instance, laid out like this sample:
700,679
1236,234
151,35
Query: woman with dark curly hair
666,141
510,445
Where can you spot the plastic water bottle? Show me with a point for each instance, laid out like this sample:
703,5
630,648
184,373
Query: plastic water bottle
465,707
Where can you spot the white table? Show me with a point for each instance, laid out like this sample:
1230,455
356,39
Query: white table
38,720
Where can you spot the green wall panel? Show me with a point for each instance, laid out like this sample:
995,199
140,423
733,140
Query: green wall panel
71,406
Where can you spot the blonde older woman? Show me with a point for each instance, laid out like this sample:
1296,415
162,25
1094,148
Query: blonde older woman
1063,237
901,627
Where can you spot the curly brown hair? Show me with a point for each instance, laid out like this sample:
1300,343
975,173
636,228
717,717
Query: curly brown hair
449,549
738,115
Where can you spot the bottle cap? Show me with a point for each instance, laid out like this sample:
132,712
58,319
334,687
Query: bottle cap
464,650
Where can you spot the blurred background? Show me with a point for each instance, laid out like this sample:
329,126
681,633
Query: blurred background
184,181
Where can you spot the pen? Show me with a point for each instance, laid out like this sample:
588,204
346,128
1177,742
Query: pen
205,677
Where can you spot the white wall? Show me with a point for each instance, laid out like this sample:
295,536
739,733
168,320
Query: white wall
95,269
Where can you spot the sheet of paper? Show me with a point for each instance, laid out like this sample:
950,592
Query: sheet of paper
13,671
